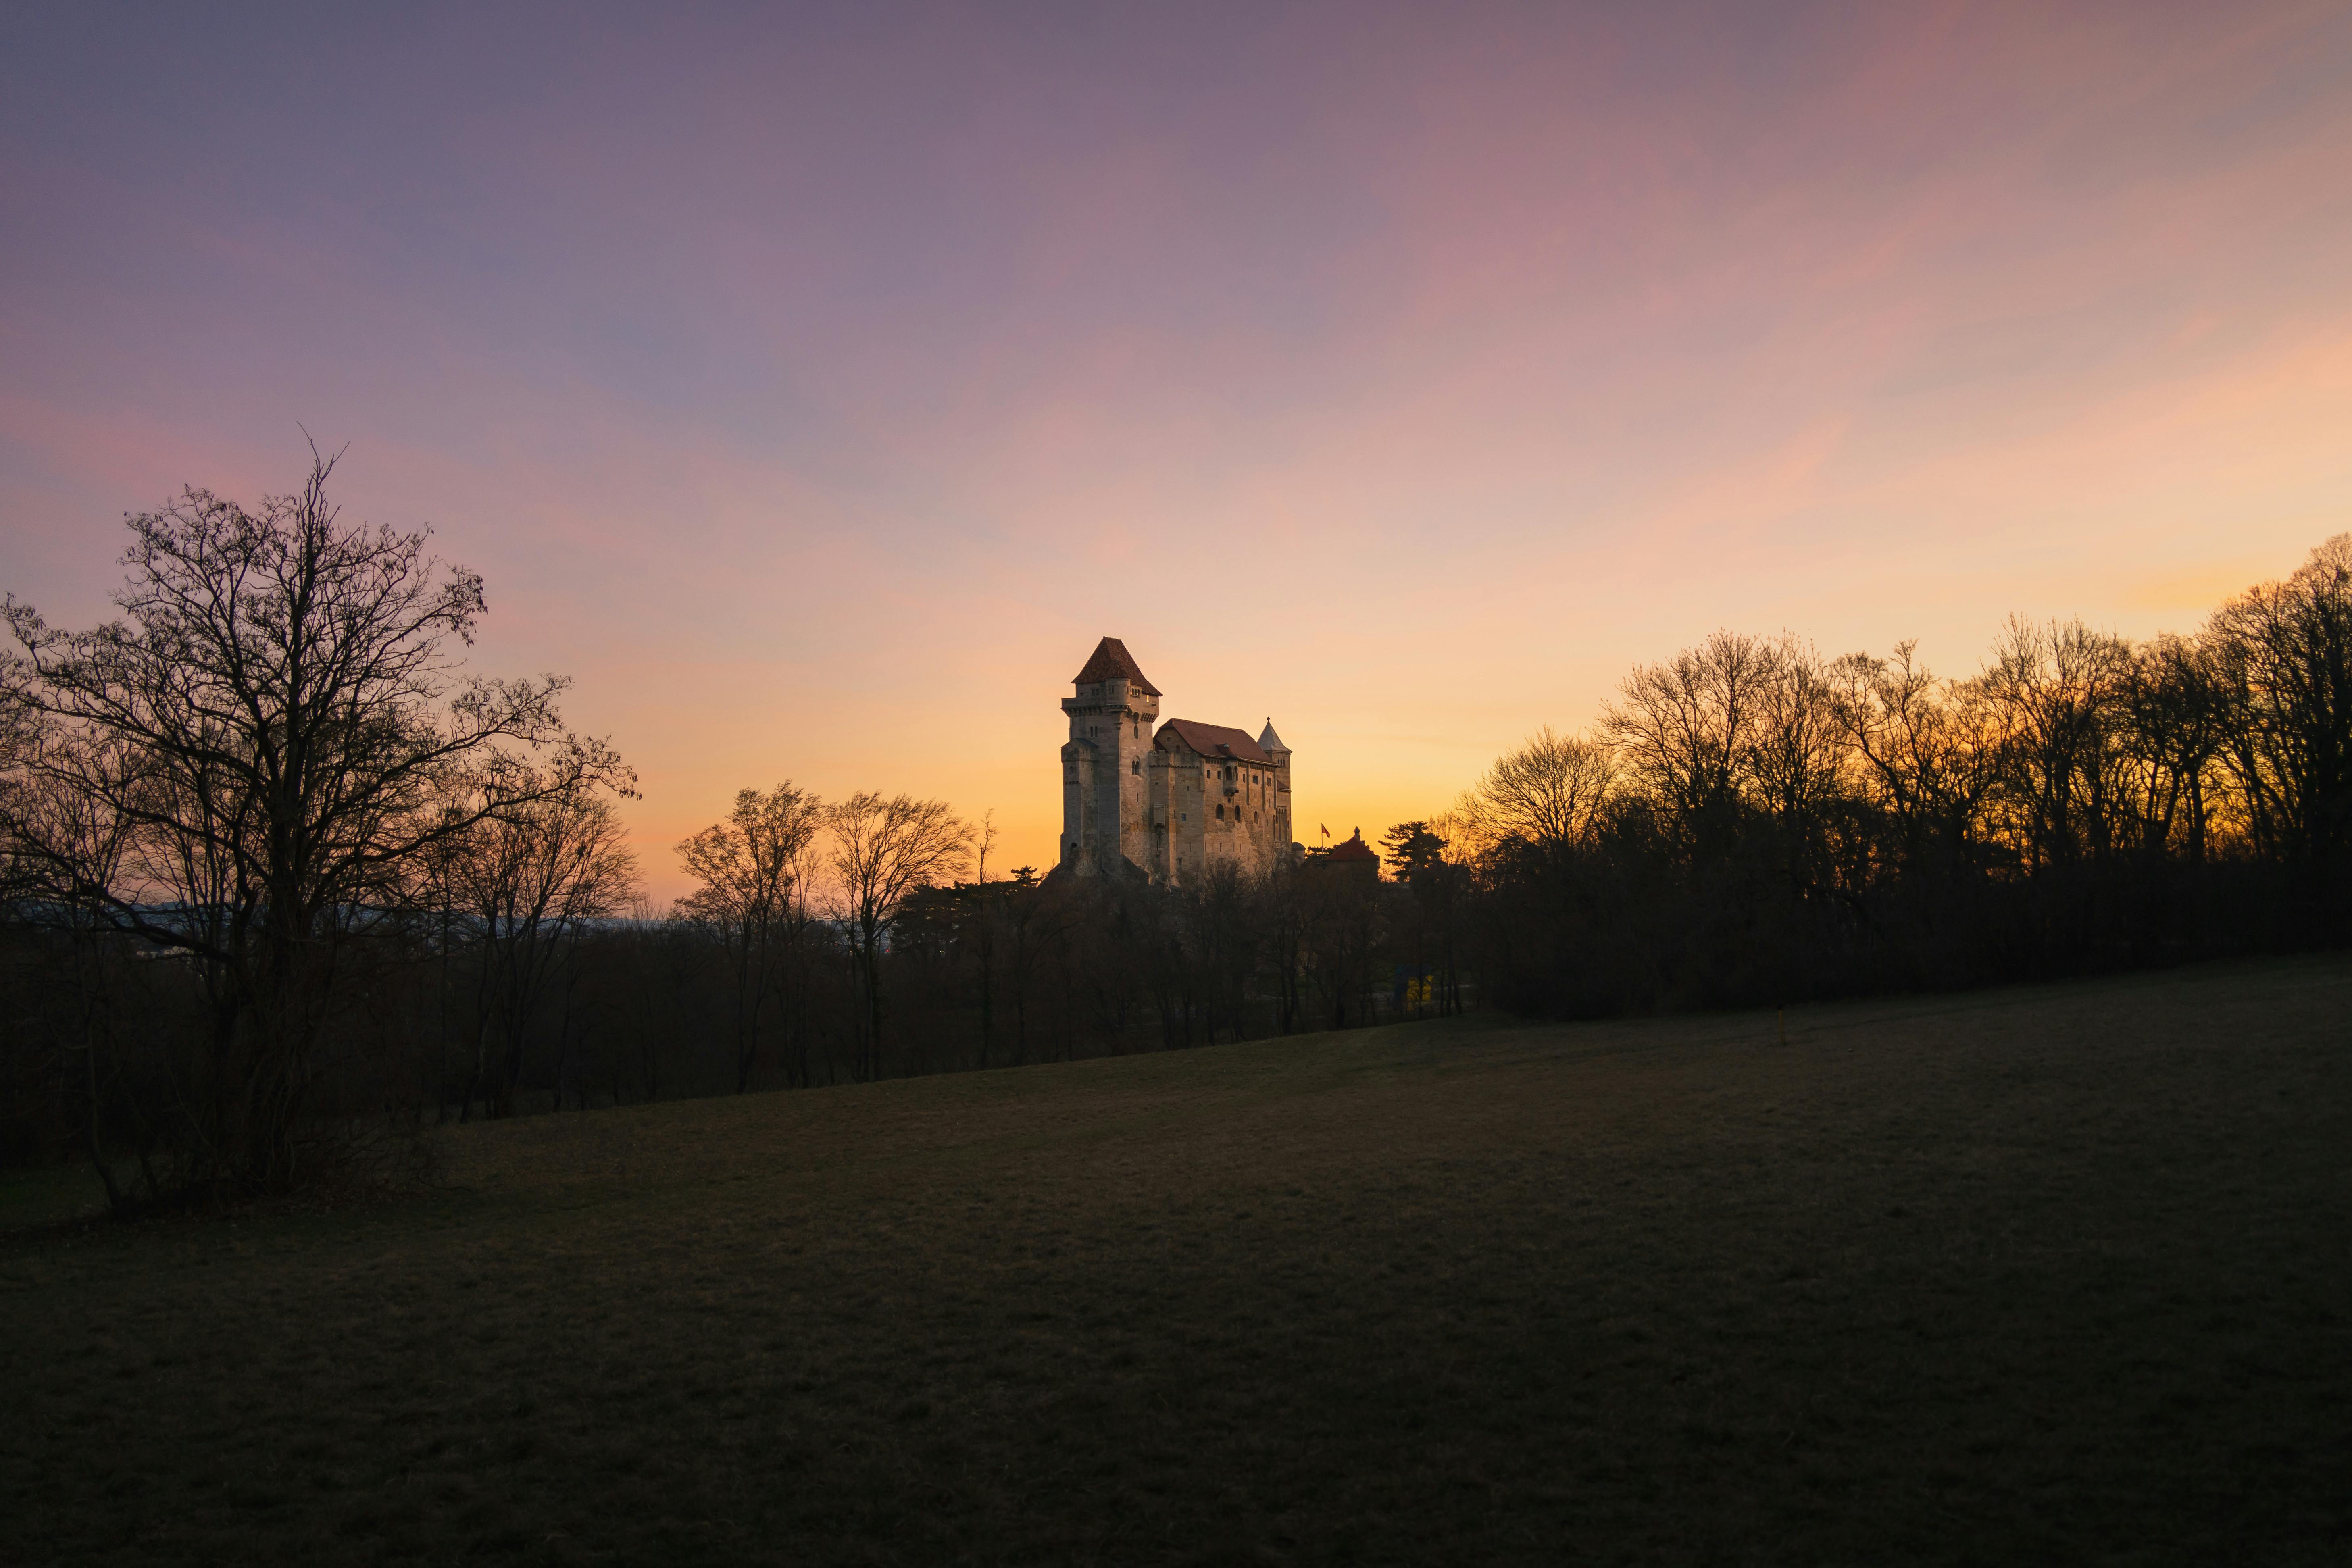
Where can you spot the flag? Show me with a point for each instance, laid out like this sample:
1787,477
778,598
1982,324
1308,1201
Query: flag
1327,833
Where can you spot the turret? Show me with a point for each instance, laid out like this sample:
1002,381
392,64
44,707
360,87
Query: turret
1271,744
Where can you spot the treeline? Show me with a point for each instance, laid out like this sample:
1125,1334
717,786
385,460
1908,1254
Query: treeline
519,972
1750,822
284,885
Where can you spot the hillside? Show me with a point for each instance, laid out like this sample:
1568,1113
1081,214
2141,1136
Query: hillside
2057,1273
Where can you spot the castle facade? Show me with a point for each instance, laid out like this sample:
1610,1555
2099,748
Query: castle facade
1168,800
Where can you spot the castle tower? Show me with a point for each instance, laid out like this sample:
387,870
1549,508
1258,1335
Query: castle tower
1104,820
1271,744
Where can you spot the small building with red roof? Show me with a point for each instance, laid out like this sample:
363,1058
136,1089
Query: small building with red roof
1351,857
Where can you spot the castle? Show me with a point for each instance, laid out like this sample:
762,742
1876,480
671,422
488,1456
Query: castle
1172,800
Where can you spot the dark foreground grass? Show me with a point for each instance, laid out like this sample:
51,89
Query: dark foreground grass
2060,1274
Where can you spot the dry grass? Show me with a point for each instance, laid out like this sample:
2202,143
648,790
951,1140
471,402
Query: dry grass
2057,1274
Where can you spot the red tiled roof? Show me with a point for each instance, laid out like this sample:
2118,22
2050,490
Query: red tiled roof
1355,848
1210,741
1111,661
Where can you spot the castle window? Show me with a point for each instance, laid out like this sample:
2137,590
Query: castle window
1221,814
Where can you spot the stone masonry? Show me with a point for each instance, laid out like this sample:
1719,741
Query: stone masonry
1166,801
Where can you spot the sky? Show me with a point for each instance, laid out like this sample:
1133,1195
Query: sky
815,386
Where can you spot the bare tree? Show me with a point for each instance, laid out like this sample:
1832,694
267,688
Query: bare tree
883,849
2177,708
2284,653
98,839
530,880
2062,688
1925,753
753,870
1795,762
280,721
1547,794
1687,729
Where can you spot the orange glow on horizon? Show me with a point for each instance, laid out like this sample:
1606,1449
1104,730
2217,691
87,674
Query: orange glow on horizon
815,396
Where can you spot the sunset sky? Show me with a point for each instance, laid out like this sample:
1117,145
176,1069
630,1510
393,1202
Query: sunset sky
816,385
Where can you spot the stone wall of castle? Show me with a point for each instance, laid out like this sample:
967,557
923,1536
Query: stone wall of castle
1169,801
1215,810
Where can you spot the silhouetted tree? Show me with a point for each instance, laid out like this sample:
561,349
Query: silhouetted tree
278,724
530,880
752,872
883,849
1030,928
2283,656
1430,931
1688,729
1547,794
1345,931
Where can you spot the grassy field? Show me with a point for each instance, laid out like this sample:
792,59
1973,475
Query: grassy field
2061,1274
